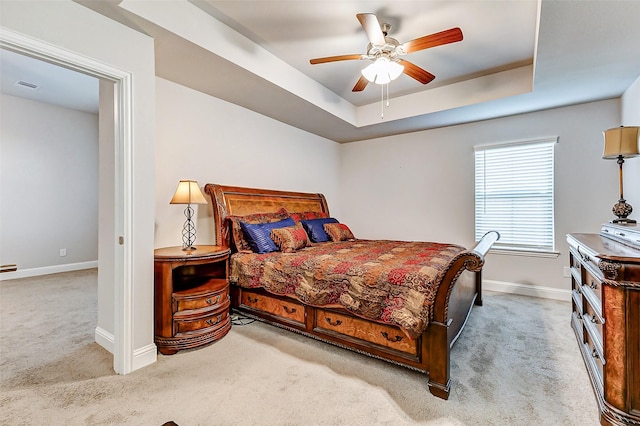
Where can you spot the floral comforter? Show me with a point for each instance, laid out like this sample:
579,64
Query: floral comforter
394,282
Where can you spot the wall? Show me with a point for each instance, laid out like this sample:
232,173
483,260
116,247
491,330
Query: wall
84,33
420,185
212,141
631,172
49,182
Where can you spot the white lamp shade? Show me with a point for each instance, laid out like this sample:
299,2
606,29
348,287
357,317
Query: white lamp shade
382,71
188,192
621,141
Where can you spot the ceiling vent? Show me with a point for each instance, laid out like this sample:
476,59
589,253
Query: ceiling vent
27,85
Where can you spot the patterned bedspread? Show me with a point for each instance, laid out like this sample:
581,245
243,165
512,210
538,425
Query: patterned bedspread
394,282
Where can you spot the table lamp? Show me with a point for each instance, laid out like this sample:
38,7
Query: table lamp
620,143
188,192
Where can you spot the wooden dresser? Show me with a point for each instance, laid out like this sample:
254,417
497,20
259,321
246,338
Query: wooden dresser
605,277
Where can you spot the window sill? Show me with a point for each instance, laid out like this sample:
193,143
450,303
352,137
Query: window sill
524,252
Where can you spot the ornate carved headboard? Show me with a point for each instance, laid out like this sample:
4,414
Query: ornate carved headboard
238,201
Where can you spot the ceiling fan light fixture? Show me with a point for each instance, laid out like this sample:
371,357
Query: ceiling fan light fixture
382,71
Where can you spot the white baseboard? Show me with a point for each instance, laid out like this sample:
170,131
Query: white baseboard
527,290
46,270
105,339
145,356
142,357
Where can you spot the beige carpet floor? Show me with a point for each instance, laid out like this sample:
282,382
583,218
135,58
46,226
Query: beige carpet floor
517,363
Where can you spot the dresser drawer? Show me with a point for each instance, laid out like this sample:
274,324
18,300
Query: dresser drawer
285,308
379,334
201,324
593,358
594,317
210,296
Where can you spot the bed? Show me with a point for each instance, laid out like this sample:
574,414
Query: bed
332,291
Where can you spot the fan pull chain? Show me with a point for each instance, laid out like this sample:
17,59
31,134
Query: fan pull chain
381,102
387,94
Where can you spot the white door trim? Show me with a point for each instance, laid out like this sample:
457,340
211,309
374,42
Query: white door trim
123,353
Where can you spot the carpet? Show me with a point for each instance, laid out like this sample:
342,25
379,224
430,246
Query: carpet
517,363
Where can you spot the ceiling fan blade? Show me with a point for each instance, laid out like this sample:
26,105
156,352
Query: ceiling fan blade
335,58
416,72
360,85
371,26
438,39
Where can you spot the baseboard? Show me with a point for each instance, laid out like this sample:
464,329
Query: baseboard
142,357
46,270
145,356
527,290
105,339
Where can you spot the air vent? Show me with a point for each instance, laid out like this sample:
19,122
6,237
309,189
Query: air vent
27,85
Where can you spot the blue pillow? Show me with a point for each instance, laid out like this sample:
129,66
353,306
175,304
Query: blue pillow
258,235
315,228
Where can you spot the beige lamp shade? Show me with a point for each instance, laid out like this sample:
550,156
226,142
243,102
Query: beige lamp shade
188,192
621,141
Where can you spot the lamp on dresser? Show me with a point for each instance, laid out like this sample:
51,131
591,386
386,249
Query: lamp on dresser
188,192
620,143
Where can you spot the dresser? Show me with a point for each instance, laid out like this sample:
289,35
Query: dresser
191,297
605,281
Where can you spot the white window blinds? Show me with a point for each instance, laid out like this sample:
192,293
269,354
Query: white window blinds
514,194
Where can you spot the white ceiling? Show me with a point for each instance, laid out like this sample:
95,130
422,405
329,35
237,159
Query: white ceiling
516,57
53,84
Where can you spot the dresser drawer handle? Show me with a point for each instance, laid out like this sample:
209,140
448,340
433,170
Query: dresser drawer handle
252,299
593,285
594,319
391,339
594,353
210,300
334,323
211,322
288,309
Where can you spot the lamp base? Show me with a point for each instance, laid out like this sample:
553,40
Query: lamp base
622,209
189,248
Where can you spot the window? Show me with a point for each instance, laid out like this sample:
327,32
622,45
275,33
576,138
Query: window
514,194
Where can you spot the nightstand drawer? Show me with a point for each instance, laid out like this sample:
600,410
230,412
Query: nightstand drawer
209,295
202,324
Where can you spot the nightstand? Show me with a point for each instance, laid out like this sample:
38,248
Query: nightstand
191,297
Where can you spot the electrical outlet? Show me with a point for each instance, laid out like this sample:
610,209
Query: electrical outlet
63,252
567,272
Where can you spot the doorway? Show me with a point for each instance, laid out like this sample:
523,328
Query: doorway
115,292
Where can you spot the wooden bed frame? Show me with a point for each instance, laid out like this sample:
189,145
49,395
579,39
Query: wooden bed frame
430,353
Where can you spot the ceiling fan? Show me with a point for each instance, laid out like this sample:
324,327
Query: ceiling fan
385,53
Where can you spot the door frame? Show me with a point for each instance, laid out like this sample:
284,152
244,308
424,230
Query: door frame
123,327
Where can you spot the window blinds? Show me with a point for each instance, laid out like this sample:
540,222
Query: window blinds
514,194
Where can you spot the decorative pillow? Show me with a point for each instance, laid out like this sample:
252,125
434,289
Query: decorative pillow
338,231
291,238
315,229
242,245
307,216
258,235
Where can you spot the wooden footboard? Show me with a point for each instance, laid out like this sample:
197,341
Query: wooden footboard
459,290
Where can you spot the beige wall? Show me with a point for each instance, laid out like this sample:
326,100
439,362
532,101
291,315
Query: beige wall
212,141
49,182
420,185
